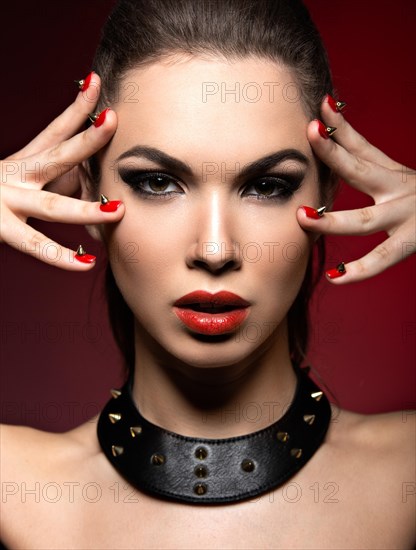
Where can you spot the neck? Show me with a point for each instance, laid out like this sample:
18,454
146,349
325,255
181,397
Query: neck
215,402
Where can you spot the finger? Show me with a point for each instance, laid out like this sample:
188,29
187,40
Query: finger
389,252
68,184
53,163
362,174
68,123
52,207
26,239
351,140
361,221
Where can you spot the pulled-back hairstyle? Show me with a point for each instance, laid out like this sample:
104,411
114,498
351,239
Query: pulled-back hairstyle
140,32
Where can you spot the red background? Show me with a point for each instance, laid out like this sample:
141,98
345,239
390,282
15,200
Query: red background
58,357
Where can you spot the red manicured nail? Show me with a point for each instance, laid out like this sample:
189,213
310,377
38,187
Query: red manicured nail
336,106
101,118
110,206
336,272
98,118
85,82
325,131
83,257
314,213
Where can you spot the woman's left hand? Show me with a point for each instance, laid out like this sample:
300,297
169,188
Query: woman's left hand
390,184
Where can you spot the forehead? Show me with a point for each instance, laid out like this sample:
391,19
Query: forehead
216,109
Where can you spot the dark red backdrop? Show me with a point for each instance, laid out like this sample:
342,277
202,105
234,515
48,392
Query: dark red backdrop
58,357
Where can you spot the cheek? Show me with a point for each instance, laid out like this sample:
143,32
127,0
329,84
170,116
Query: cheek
283,251
143,247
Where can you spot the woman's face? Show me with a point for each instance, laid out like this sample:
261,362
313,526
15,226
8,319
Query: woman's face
212,161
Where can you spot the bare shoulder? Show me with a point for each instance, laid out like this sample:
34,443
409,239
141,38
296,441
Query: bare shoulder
377,462
36,468
392,435
24,449
32,458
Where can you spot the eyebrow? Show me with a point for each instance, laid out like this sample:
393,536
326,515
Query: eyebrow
256,167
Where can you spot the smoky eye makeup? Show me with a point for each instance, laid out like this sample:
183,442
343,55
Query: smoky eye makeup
273,187
150,184
277,186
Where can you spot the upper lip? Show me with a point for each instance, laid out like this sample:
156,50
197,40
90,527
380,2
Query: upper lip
202,298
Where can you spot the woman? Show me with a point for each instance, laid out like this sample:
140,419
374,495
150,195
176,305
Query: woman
196,221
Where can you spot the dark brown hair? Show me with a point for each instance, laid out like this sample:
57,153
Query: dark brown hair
140,32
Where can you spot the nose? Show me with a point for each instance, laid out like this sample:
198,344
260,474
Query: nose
213,248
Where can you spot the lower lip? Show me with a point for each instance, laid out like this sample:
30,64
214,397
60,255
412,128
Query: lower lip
211,323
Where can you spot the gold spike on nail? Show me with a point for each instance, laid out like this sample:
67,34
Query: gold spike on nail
135,430
282,436
341,268
79,83
309,418
340,105
114,417
317,395
117,450
296,453
321,211
103,199
330,130
115,393
93,117
80,251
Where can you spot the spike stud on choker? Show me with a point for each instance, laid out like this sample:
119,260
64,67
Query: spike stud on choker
194,470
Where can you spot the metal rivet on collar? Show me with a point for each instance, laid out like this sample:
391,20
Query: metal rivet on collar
158,459
135,430
200,471
309,418
317,395
114,417
117,450
200,489
248,465
296,453
283,436
115,393
201,453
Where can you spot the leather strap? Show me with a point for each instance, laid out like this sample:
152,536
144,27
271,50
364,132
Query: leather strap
187,469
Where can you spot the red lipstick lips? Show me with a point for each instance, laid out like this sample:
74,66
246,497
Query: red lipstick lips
211,314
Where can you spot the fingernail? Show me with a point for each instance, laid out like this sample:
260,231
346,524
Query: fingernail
315,213
83,257
336,106
336,272
98,118
108,206
85,82
325,131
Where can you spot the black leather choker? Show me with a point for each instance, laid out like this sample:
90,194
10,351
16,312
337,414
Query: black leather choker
213,471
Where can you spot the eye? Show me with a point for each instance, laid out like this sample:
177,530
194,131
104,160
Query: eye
152,184
271,188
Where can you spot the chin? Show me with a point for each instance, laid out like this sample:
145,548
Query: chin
212,352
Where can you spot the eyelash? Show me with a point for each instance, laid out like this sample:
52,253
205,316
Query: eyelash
284,186
136,178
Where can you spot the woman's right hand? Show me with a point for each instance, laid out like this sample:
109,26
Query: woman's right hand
38,180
